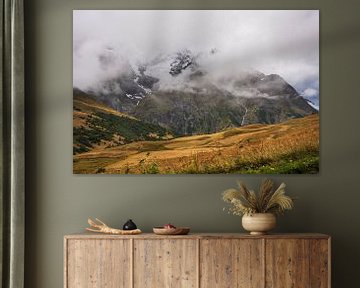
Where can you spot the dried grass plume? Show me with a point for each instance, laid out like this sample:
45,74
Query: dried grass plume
267,200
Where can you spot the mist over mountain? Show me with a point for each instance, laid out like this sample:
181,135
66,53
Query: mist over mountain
284,42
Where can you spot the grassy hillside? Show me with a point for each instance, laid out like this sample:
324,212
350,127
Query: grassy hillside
288,147
98,126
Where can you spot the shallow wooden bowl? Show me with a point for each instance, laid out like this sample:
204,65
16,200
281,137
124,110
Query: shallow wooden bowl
171,231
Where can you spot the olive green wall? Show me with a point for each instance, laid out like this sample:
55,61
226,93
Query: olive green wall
59,202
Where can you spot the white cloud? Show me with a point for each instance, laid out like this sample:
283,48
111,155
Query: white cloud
283,42
310,92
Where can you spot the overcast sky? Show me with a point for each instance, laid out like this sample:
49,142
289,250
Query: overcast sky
282,42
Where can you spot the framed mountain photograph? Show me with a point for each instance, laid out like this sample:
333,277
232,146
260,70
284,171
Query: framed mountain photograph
195,92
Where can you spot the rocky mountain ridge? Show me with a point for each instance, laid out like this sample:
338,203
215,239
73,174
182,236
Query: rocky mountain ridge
184,94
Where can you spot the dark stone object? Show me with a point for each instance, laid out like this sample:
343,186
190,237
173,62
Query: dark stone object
129,225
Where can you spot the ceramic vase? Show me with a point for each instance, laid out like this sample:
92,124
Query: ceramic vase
259,223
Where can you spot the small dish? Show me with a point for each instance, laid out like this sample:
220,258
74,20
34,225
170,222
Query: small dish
171,231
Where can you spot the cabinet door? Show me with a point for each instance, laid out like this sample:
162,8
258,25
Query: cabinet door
231,263
287,263
320,263
98,263
165,263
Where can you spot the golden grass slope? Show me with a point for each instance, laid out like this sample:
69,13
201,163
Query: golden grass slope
85,105
249,149
99,126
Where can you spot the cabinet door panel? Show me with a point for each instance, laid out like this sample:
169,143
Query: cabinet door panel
165,263
319,263
98,264
231,263
287,263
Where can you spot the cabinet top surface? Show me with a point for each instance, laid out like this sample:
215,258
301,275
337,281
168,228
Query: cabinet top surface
86,235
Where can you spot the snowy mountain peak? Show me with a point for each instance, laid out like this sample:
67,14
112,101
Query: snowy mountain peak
184,71
183,60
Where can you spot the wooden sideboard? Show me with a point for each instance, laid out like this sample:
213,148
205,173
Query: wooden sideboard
197,260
